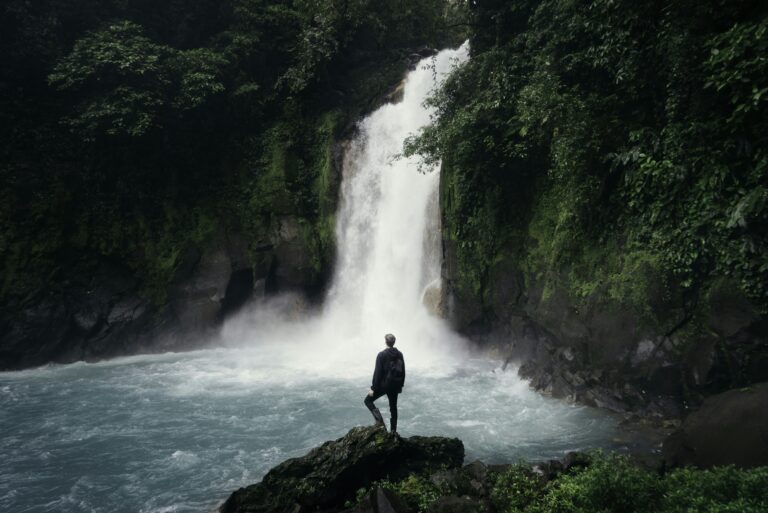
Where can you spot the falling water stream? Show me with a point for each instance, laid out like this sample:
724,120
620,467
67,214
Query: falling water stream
179,432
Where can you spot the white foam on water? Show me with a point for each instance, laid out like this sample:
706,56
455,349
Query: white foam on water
184,459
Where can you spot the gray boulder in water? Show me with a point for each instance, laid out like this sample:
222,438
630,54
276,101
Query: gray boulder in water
332,473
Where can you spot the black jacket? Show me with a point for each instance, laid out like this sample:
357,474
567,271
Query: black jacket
382,361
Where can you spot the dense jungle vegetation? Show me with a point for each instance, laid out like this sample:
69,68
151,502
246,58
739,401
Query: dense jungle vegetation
600,482
131,129
606,483
613,149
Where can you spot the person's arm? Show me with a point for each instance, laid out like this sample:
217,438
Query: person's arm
377,373
403,370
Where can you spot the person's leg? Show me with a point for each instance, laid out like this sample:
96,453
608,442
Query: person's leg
372,407
393,412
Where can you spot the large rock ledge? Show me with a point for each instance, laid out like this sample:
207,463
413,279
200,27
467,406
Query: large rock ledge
370,471
331,474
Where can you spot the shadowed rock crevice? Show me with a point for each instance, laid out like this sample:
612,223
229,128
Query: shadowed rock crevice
239,290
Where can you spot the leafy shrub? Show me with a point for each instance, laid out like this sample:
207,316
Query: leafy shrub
608,484
125,123
417,491
515,489
718,490
581,130
613,484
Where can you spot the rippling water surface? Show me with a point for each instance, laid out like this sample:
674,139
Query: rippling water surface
179,432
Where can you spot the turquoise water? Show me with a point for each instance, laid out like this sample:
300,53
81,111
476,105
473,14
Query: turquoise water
179,432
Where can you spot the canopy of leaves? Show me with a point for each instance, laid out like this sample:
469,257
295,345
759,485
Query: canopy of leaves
127,125
581,127
609,483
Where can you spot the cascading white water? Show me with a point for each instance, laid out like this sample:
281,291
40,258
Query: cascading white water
388,248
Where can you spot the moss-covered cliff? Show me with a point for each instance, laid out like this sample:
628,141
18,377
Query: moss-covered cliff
161,162
604,195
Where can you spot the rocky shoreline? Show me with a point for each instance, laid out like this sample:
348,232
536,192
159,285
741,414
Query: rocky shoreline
371,471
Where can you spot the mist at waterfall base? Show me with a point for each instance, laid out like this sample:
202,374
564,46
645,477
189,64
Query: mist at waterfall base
179,432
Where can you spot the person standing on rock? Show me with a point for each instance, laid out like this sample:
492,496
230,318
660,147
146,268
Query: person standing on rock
388,378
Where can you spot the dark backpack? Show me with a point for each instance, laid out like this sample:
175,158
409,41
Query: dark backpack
395,375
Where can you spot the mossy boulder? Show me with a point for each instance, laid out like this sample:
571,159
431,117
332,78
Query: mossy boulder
332,473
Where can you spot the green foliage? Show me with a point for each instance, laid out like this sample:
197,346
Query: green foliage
721,489
583,138
613,483
416,490
317,44
609,484
127,71
120,52
163,244
130,128
133,82
199,72
738,68
515,489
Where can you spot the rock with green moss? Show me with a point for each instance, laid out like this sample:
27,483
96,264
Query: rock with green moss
332,473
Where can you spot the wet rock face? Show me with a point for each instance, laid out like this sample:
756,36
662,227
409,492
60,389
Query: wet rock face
331,474
291,266
51,327
729,428
102,312
604,353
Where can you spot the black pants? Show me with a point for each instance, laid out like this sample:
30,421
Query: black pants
392,396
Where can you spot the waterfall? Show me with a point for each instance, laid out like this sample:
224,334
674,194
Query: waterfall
388,220
387,274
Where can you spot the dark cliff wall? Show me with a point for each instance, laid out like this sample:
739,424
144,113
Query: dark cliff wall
604,196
